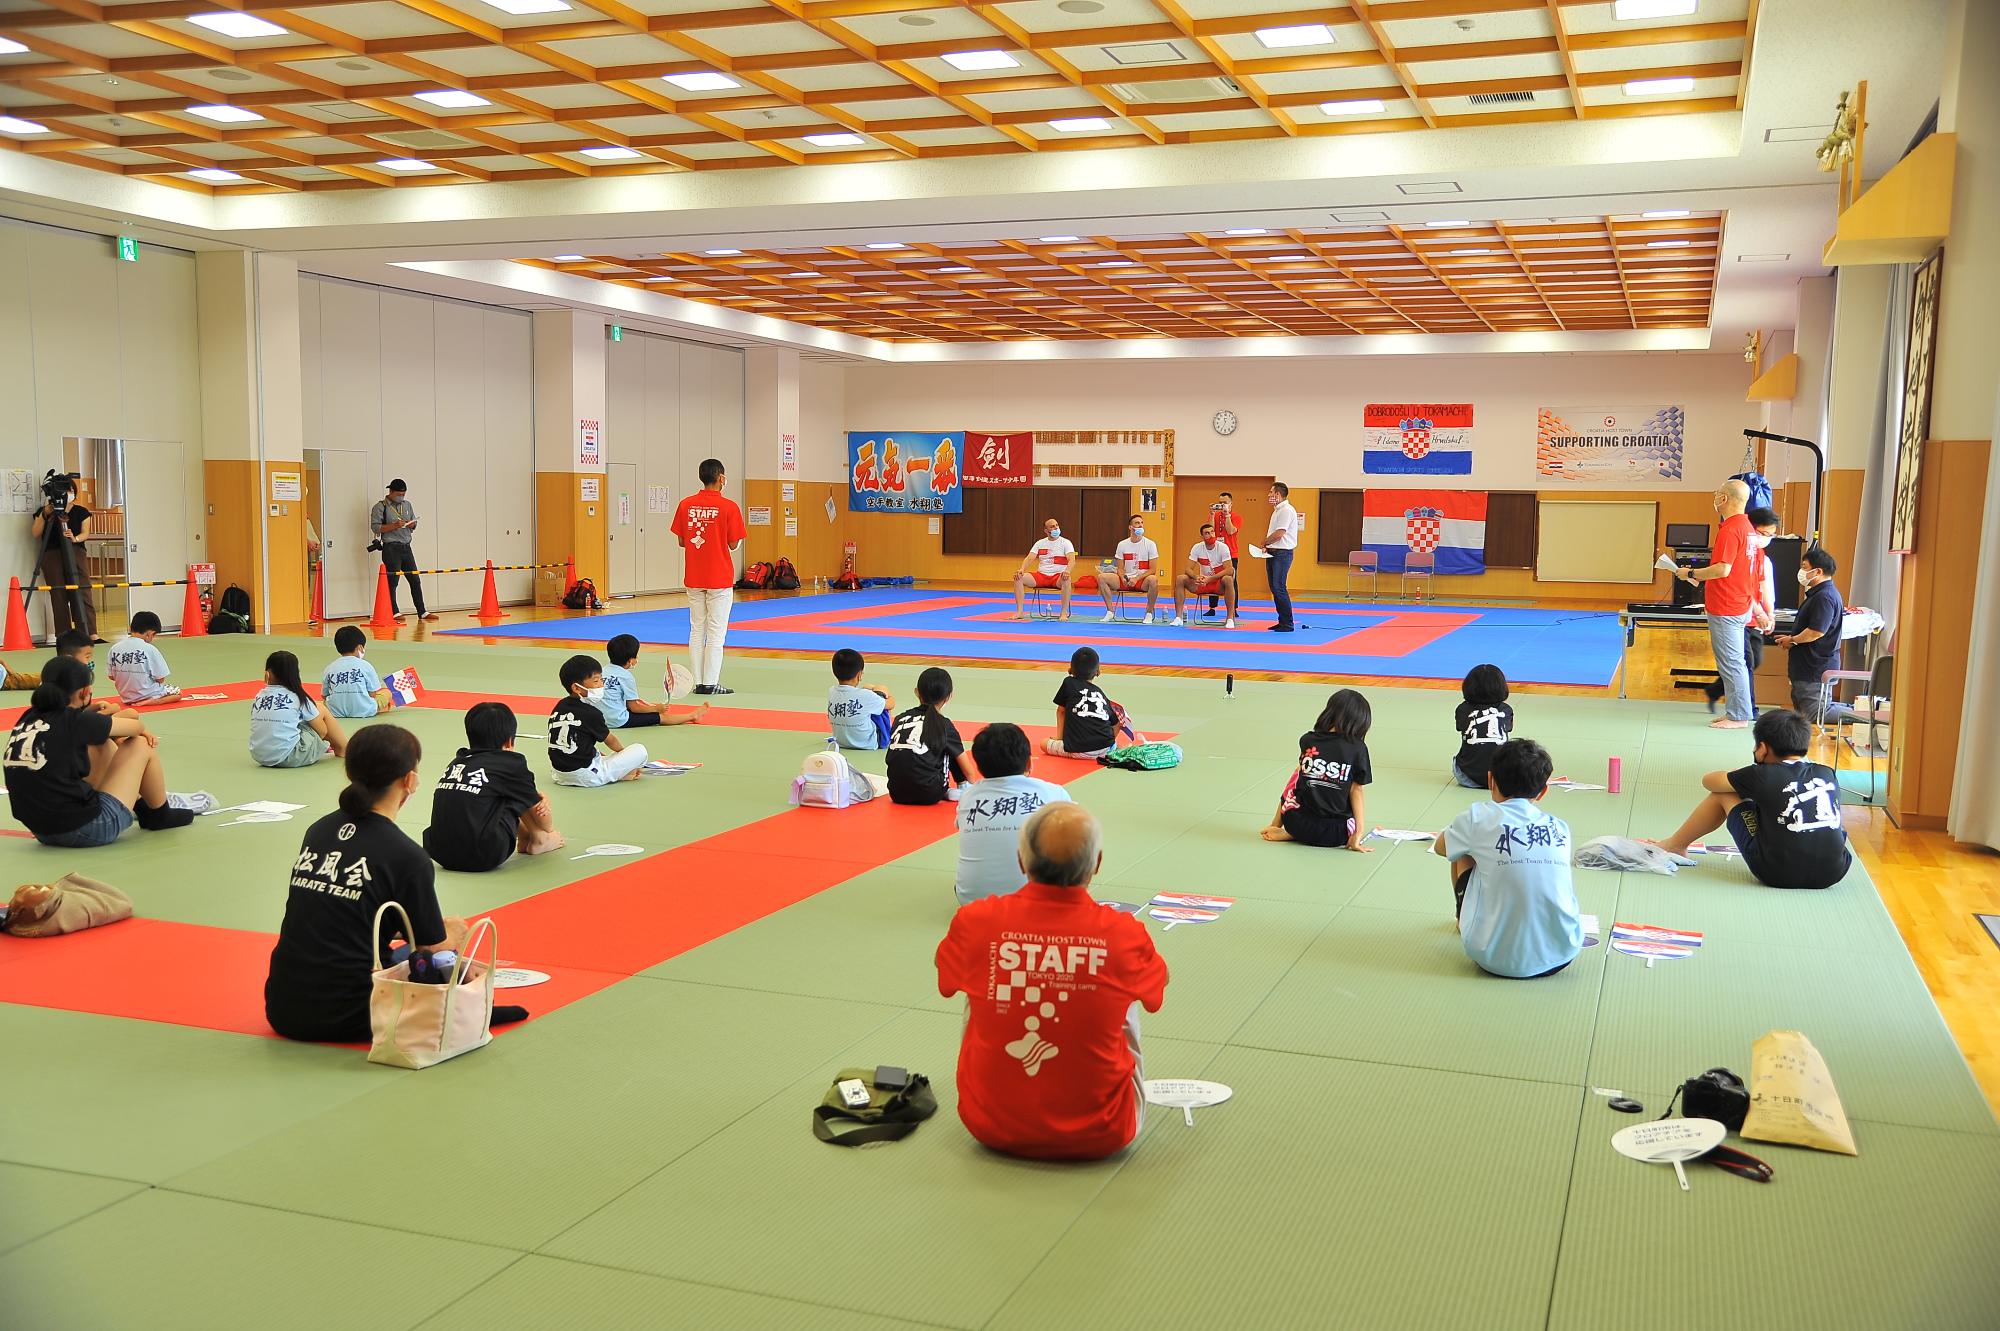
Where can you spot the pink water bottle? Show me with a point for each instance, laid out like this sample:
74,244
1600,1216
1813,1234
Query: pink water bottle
1612,777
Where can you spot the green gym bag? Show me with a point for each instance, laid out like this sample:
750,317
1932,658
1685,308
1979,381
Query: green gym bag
1152,756
891,1114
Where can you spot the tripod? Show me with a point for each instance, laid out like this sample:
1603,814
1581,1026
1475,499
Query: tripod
76,609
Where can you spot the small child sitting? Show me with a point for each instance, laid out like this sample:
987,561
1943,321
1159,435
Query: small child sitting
1782,811
577,727
925,752
485,806
287,729
137,669
857,712
1087,722
1484,722
1510,872
1321,804
621,704
349,685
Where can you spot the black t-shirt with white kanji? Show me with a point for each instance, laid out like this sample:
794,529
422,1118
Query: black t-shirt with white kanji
923,744
1482,729
576,728
1330,766
46,761
1091,725
320,970
1798,841
476,809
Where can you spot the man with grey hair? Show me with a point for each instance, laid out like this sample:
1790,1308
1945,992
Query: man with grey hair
1049,1065
1729,589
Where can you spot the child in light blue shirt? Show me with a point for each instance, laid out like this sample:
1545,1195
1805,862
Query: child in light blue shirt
858,713
992,809
1510,870
621,704
349,686
135,665
286,728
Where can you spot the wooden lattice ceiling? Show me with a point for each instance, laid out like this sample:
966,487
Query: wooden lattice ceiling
335,93
1581,274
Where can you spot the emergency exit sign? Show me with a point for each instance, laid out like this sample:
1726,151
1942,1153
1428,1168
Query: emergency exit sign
128,249
617,333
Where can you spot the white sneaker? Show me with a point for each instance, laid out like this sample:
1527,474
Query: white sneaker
1148,619
199,802
1178,622
1229,623
1109,618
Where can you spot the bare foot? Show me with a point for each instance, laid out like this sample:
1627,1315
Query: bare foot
1724,723
633,775
1275,832
1667,846
541,843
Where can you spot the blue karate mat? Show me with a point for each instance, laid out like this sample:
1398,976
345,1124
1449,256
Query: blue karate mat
1335,638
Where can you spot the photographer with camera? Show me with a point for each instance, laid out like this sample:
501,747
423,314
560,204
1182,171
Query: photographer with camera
60,525
394,522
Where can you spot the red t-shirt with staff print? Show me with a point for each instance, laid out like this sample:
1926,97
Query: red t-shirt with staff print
708,524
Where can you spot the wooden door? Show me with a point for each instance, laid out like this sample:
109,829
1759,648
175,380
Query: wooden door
1192,497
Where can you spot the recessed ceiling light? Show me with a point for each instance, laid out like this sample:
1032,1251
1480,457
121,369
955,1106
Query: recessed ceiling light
567,258
1464,252
954,270
1651,87
971,61
16,125
529,6
1664,244
610,153
1458,223
451,97
236,25
721,254
8,46
1360,106
405,164
705,80
1060,240
802,273
1079,125
885,245
1299,34
215,174
227,115
1762,258
833,140
1666,212
1244,231
1628,10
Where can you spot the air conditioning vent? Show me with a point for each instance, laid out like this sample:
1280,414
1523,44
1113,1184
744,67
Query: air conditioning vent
1500,98
1176,90
1145,53
427,139
346,111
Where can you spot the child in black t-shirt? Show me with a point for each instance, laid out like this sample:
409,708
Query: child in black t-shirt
1087,722
577,727
1321,805
925,752
76,776
485,805
1782,811
1484,722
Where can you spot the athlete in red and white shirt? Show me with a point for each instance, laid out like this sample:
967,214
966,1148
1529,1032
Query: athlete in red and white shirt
1138,569
1049,1065
1047,565
1210,572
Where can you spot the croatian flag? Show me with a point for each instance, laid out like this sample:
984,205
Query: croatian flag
404,686
1416,438
1449,524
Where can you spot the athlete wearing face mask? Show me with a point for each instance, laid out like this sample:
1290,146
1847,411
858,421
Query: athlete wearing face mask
1763,606
577,726
1814,641
1048,565
1135,568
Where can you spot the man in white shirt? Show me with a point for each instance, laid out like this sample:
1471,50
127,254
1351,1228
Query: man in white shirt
1047,565
1281,543
1210,572
1138,561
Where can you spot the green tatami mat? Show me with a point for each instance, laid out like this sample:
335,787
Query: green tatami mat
168,1262
553,1121
1719,898
550,1295
1327,1194
1396,987
34,1201
1900,1236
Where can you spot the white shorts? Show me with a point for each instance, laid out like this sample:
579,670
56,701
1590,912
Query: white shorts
606,768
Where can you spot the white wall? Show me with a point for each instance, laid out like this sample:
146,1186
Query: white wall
823,421
1301,419
669,405
93,346
441,394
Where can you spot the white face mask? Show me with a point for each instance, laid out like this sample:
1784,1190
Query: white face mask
594,695
1805,578
1762,541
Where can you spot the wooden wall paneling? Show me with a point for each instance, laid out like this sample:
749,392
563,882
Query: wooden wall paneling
1513,524
1102,519
1339,525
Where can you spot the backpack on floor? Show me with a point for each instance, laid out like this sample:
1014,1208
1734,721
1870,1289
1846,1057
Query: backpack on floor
582,595
756,577
1153,756
891,1114
827,780
784,577
849,580
232,612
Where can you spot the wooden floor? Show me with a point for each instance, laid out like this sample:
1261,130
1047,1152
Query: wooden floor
1932,885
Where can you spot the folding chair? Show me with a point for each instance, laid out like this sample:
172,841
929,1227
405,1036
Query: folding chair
1419,567
1044,602
1360,562
1108,569
1872,709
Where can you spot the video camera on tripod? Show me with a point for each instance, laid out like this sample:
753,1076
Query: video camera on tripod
59,487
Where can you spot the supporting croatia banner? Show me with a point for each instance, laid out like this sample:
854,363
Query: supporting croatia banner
1416,438
1448,523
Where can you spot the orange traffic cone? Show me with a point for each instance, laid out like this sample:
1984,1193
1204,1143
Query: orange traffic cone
385,613
569,573
17,638
489,600
317,614
192,624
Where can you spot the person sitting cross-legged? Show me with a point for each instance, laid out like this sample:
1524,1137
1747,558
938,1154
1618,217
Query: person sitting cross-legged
1510,873
992,809
1049,1065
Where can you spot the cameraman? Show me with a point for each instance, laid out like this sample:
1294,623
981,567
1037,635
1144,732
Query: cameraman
59,528
394,522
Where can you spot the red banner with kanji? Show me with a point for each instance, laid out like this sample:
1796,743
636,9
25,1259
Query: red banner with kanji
999,459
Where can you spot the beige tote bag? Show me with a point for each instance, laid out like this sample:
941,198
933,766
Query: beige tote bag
417,1025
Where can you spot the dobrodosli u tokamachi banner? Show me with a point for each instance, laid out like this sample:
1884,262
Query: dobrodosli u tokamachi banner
904,471
1416,438
1610,446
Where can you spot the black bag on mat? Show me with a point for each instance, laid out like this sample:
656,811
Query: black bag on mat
232,612
891,1114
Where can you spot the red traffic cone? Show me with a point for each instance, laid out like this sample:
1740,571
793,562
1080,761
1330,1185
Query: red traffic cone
489,599
192,624
385,614
569,573
317,614
17,638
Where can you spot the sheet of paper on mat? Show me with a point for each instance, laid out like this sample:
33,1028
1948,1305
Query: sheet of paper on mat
260,806
1402,834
